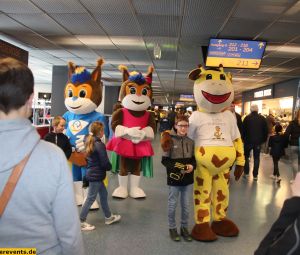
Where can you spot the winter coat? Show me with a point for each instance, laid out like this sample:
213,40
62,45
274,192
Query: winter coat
180,154
97,162
41,212
293,133
61,140
255,129
283,238
277,143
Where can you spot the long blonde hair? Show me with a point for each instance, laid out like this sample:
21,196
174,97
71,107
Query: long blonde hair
95,129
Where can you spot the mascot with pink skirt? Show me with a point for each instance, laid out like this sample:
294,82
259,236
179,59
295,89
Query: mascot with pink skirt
133,128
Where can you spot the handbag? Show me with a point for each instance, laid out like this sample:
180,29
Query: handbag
11,184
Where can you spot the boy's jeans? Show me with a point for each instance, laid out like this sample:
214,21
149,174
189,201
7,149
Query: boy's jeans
185,192
94,189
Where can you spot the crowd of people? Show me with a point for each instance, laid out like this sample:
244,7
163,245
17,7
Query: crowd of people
47,197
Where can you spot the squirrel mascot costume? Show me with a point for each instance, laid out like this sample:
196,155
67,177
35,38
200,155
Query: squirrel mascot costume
133,128
218,146
83,94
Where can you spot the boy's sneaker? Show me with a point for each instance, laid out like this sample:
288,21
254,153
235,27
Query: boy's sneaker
174,235
291,181
273,176
255,178
86,226
185,234
113,218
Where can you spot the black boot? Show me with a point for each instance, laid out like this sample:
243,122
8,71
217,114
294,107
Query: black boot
174,235
185,234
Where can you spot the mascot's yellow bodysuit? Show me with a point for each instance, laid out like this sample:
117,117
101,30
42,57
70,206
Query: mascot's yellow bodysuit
218,145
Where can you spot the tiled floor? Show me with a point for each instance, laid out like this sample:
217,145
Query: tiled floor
143,230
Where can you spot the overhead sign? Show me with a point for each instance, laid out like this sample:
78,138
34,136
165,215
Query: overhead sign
186,98
235,53
263,93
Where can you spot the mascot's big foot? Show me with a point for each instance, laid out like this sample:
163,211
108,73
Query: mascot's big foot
225,228
203,232
121,191
135,191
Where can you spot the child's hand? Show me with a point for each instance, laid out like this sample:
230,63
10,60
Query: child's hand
189,168
296,186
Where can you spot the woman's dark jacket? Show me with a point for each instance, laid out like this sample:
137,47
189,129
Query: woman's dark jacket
61,140
278,143
284,236
97,162
293,132
180,154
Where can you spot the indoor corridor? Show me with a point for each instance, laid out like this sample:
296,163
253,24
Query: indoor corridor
143,229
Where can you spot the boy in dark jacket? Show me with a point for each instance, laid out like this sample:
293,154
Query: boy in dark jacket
180,164
57,137
277,143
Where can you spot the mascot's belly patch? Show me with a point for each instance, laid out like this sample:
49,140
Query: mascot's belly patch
216,159
77,125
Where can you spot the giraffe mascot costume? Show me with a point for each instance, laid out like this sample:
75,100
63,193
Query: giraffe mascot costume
218,146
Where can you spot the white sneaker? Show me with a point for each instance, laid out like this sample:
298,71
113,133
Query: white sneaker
86,226
246,176
291,181
113,218
278,179
272,176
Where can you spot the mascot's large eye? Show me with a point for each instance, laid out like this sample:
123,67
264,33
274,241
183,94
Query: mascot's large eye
144,91
82,93
132,90
70,93
222,77
208,77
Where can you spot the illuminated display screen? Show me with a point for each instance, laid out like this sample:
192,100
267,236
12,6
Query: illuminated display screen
186,98
235,53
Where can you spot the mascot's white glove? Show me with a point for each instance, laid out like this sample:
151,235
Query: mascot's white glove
127,133
149,134
139,137
79,143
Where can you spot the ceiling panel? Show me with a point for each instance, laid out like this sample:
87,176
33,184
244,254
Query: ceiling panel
58,6
262,9
8,25
240,28
136,55
158,7
161,25
281,32
40,23
107,7
111,54
78,23
18,6
121,24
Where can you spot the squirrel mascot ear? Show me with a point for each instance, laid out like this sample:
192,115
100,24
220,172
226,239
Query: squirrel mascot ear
71,67
195,74
124,71
97,73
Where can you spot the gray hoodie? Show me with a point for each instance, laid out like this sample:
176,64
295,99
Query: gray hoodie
41,213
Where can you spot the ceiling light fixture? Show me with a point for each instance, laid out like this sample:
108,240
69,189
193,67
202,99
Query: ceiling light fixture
157,52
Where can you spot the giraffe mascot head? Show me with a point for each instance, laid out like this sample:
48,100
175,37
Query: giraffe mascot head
218,146
134,129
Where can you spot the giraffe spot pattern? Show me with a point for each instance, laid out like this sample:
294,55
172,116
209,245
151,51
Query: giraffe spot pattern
217,162
201,214
216,177
197,201
202,151
205,192
220,196
199,181
197,192
227,176
238,154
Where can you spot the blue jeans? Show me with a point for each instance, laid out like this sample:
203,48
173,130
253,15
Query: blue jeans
174,191
256,155
94,189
